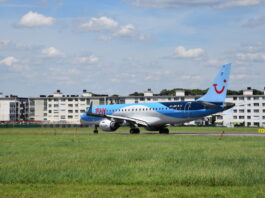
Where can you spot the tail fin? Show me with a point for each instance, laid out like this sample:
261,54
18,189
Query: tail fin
217,92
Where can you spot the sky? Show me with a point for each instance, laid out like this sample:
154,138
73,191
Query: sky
123,46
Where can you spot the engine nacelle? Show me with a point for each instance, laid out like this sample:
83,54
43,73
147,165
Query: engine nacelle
108,125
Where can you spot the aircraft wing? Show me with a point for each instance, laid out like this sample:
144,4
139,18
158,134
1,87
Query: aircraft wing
120,118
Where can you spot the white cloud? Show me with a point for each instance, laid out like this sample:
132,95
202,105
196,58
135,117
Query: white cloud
220,4
255,22
12,64
87,59
238,76
181,52
111,29
34,19
10,60
190,77
127,30
99,24
238,3
4,43
51,52
251,56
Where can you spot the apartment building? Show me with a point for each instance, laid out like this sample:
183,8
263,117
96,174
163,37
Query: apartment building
60,108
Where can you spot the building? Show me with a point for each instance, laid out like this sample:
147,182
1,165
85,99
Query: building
60,108
249,110
13,108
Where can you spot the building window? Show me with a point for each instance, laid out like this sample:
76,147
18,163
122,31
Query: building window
70,99
50,111
70,111
249,117
249,110
235,117
70,105
241,111
234,98
256,98
241,117
70,116
63,117
256,104
56,105
76,111
256,110
235,111
263,117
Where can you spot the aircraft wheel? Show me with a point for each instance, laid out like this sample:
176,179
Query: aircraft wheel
137,130
95,131
164,131
134,131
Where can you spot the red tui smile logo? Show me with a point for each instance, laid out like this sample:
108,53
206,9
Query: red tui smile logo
219,91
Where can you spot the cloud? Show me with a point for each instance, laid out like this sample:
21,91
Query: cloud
258,56
181,52
219,4
12,64
99,24
51,52
239,76
255,22
4,43
127,30
86,59
10,60
34,19
111,29
190,77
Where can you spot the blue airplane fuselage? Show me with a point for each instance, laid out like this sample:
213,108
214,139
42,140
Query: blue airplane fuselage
159,113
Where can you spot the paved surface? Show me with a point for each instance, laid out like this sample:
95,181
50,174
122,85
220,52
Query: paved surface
195,134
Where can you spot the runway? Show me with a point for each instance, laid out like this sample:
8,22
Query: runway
193,134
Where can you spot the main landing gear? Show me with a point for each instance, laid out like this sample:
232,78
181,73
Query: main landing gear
134,131
95,130
164,131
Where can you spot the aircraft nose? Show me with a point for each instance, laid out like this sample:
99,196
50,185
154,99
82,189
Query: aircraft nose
82,118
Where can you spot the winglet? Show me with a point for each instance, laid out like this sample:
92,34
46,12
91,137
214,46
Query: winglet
90,108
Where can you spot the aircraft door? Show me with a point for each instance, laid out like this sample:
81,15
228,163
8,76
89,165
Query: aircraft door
187,109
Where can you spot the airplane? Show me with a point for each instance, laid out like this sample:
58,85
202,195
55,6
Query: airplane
159,115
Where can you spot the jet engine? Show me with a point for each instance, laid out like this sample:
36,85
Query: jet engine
108,125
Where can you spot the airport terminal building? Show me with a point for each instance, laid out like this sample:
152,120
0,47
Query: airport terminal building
60,108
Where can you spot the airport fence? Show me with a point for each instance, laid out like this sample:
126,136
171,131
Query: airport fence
38,124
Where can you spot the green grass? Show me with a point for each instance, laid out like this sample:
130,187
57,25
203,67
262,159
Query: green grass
125,129
131,165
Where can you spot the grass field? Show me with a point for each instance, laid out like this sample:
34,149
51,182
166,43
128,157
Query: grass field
67,165
125,129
